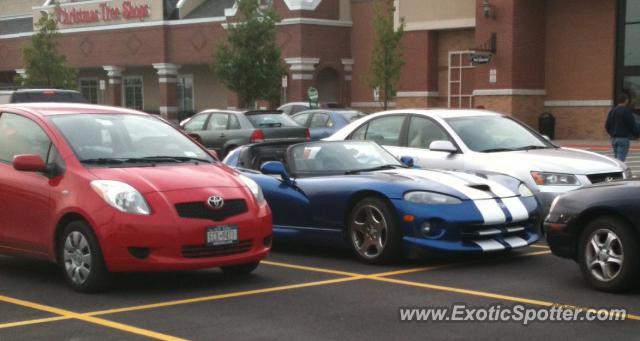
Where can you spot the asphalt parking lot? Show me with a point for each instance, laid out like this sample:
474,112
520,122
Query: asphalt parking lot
307,293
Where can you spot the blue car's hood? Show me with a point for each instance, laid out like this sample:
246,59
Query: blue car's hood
471,186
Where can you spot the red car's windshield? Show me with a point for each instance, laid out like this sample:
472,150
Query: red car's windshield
123,137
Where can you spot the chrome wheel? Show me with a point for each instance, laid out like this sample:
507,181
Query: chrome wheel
604,254
77,257
369,231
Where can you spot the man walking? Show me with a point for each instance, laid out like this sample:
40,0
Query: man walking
621,126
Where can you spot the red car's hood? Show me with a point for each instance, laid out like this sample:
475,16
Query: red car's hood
171,177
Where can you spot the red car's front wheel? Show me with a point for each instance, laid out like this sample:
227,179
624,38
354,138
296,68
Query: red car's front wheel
81,259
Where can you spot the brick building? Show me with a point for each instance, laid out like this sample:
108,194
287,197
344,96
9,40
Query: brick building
567,57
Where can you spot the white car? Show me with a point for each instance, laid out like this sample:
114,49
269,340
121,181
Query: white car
483,140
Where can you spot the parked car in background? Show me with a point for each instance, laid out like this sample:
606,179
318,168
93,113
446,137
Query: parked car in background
224,130
296,107
99,190
356,194
325,122
599,227
40,95
479,140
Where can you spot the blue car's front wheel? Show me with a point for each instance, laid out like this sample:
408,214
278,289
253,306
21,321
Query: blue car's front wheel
373,231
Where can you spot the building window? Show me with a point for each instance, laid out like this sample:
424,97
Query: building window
89,89
628,63
185,94
132,92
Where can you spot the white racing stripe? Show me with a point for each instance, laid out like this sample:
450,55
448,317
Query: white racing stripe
516,208
489,245
515,242
491,212
497,189
453,182
488,207
488,232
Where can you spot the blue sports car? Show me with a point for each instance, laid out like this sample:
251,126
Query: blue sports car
355,193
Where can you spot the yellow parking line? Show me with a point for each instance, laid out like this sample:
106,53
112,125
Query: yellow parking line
537,253
178,302
35,321
310,268
486,294
448,265
408,271
396,272
90,319
222,296
539,246
348,276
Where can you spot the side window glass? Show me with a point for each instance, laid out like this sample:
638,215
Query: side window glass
196,123
218,122
319,121
360,133
298,108
301,119
233,122
423,131
385,130
20,135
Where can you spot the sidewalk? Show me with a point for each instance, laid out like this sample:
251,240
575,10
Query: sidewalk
596,145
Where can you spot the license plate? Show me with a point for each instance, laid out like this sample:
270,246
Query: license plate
222,235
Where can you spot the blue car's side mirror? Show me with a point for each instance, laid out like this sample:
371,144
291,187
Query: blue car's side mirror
275,168
407,160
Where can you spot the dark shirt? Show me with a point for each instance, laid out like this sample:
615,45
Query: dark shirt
621,123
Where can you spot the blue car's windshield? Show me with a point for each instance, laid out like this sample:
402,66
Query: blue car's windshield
339,157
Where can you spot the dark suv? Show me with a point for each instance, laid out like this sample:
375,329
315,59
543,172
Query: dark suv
41,95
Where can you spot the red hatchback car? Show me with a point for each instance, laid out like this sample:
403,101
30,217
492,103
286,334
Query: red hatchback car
100,189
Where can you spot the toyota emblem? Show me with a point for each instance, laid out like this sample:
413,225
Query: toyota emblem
215,202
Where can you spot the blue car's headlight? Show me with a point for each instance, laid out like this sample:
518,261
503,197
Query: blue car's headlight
524,191
430,198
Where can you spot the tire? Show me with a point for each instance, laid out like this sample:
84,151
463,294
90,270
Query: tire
617,266
242,269
373,232
81,260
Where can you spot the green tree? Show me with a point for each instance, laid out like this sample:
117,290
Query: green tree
44,66
248,62
386,56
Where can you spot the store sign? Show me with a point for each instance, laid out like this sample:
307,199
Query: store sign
103,13
481,58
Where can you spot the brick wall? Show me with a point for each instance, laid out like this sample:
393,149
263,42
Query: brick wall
580,122
581,50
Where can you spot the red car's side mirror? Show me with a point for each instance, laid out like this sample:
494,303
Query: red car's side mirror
29,163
